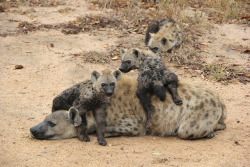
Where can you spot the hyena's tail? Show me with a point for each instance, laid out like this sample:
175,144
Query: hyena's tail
159,90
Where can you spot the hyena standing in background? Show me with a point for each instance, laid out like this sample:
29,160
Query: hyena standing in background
163,35
92,95
153,78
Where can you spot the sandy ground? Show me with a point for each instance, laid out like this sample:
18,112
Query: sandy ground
26,95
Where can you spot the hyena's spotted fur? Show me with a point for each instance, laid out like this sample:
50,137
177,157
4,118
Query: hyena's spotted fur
202,113
163,35
90,95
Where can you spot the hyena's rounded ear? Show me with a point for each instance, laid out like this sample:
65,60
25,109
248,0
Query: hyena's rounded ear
136,52
95,75
117,74
151,34
74,117
122,51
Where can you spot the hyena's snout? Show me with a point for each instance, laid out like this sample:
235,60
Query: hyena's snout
38,131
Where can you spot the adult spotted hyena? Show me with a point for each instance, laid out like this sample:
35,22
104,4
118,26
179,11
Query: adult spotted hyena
163,35
201,113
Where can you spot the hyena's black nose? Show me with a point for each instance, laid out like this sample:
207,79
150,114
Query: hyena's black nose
33,130
155,49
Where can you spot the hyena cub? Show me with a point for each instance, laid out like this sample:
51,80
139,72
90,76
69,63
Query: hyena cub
153,77
92,95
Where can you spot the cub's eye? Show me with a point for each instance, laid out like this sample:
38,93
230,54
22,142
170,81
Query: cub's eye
103,84
128,61
164,41
51,124
112,84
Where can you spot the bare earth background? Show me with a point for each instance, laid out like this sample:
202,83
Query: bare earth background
51,65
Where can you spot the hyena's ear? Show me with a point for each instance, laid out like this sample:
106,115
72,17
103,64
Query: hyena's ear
117,74
136,53
95,75
152,34
74,117
122,51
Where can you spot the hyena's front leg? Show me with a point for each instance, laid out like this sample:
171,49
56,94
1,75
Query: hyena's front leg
81,130
126,127
145,99
99,115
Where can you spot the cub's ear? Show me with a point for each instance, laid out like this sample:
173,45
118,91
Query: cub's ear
94,76
74,117
136,52
117,74
122,51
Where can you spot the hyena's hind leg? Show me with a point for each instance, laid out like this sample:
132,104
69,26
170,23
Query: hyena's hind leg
220,126
60,103
171,83
126,127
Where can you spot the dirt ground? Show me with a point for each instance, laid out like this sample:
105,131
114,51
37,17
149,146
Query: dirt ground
50,67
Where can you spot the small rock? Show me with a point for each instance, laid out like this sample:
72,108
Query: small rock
18,66
52,45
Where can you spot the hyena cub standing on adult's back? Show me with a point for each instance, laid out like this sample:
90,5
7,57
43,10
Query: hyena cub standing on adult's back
92,95
153,77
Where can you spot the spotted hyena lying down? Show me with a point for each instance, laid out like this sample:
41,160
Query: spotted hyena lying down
202,113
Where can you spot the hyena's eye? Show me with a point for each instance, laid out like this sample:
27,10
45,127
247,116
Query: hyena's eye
51,124
128,61
112,84
164,41
103,84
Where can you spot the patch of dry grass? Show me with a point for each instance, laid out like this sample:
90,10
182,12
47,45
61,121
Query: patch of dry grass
44,3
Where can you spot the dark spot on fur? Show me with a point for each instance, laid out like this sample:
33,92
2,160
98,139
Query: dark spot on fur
119,98
126,130
193,123
214,112
197,127
136,129
128,124
188,97
201,105
206,115
183,90
120,129
213,102
187,132
176,130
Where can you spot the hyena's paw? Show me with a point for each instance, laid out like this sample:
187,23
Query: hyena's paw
177,101
102,142
83,138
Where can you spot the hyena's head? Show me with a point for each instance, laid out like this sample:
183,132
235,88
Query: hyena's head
130,59
60,124
167,38
105,81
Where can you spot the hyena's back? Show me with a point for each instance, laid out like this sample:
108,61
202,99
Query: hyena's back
202,112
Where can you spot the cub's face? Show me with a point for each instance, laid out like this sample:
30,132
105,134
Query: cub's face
130,60
160,43
105,81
